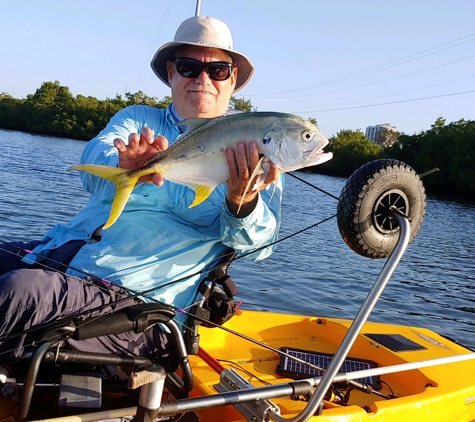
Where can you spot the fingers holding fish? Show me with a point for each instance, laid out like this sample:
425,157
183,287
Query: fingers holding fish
241,199
155,178
138,143
271,175
139,150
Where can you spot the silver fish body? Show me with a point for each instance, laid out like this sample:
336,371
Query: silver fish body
198,160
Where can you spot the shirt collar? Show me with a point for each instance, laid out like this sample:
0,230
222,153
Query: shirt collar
178,118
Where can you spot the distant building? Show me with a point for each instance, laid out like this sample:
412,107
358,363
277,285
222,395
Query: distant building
372,131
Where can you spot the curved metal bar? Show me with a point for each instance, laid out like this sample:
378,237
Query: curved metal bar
182,355
227,398
30,380
356,326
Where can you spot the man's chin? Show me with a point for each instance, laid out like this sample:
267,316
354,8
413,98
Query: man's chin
202,108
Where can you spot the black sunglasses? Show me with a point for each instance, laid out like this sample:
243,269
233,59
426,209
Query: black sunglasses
191,68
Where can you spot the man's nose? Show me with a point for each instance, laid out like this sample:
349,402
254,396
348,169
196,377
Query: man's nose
203,78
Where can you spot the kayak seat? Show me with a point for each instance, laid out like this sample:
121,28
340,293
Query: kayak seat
84,388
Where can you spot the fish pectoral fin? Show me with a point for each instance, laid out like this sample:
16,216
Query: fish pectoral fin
259,169
202,192
262,170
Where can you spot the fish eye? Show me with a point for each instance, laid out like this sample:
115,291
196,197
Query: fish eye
307,135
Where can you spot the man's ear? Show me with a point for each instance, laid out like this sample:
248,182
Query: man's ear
234,76
170,71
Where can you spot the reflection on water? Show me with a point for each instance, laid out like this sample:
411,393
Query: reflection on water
36,190
312,273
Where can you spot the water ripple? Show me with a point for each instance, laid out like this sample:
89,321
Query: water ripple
312,273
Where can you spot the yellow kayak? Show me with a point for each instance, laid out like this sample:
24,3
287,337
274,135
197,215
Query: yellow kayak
263,366
443,392
412,373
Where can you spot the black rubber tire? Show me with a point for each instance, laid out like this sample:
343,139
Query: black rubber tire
364,202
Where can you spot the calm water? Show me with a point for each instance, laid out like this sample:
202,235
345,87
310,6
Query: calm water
312,273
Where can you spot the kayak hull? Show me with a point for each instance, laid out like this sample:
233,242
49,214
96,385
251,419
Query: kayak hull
426,392
435,393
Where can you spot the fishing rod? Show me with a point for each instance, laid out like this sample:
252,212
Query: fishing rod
426,173
145,293
153,289
250,339
313,186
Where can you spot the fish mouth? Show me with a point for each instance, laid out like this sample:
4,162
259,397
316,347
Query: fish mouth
317,156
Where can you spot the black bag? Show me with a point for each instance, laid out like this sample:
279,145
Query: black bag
218,305
218,290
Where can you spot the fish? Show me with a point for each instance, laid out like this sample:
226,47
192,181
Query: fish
197,159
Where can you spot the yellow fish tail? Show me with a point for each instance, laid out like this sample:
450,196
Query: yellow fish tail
123,180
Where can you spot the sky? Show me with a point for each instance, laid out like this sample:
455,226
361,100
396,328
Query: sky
349,64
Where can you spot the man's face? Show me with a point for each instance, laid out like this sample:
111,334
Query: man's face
201,96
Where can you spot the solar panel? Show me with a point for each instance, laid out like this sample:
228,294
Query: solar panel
291,368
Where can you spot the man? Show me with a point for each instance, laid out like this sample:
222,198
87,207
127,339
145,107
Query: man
158,239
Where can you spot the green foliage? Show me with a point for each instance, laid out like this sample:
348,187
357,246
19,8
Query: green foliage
448,147
313,121
49,110
140,98
11,112
387,138
241,104
351,149
52,110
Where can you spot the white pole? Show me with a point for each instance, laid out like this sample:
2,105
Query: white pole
118,413
403,367
198,7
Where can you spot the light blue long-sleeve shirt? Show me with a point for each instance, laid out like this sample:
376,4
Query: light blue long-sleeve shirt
158,238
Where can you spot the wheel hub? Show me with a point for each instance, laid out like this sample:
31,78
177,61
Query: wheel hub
393,198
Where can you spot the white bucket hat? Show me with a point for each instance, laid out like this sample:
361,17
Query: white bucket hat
203,31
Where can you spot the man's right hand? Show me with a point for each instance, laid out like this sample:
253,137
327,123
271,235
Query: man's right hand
139,150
